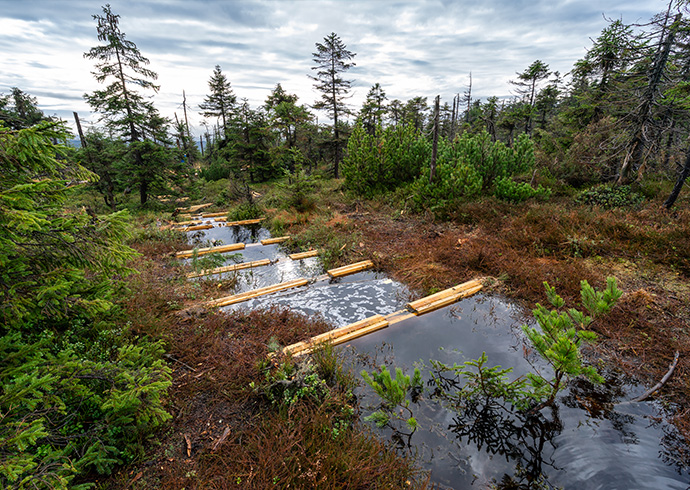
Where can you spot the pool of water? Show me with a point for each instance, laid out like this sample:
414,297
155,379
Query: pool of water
593,438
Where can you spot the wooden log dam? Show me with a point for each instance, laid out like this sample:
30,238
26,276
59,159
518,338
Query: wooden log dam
377,322
304,255
209,250
350,269
270,241
230,268
238,298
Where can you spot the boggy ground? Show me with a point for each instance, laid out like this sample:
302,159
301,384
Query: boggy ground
515,248
236,424
227,433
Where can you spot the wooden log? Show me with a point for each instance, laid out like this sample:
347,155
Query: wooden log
238,298
245,222
203,251
270,241
199,207
337,335
220,219
194,209
350,269
198,227
214,215
445,297
230,268
442,294
661,383
304,255
188,223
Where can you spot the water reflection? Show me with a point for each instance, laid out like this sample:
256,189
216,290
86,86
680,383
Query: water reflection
592,439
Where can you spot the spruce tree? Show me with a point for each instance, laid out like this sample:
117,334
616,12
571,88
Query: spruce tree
332,59
220,103
125,112
528,81
285,115
119,62
373,108
19,110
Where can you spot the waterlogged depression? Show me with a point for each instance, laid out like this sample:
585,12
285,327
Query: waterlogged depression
595,438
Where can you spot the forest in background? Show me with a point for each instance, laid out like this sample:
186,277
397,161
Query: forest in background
84,384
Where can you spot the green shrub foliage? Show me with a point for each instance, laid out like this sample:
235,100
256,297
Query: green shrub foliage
75,395
385,160
509,190
399,155
610,196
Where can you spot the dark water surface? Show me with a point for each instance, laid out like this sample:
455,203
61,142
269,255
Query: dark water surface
594,439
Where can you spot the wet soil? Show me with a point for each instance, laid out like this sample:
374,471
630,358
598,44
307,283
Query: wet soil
516,248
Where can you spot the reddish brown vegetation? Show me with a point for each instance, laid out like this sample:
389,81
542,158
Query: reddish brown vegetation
521,246
224,434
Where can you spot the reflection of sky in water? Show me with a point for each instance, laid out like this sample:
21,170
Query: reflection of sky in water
341,301
617,450
228,234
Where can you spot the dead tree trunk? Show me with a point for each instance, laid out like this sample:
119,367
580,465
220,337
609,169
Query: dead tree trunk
434,151
681,180
644,117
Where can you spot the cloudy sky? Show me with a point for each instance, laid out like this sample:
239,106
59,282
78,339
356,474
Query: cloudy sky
411,47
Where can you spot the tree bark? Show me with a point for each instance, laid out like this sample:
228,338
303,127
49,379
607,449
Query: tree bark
680,182
434,151
81,133
645,116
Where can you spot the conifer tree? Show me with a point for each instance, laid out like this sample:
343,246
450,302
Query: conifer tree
285,114
220,103
19,109
332,59
124,110
528,81
120,62
373,108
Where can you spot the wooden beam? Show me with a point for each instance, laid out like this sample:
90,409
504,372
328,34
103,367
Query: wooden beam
214,215
188,223
350,269
194,209
230,268
203,251
270,241
198,227
377,322
339,335
304,255
238,298
445,297
245,222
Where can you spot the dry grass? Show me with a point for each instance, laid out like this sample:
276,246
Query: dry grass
517,247
226,434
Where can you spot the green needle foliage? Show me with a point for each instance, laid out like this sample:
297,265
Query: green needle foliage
561,334
558,340
393,393
76,395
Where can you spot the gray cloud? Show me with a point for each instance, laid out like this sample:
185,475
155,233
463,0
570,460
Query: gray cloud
411,47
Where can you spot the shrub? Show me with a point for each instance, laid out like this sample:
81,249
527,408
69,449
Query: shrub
384,161
509,190
453,182
610,196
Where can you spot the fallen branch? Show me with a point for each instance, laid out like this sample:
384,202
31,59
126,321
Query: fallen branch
220,441
661,383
